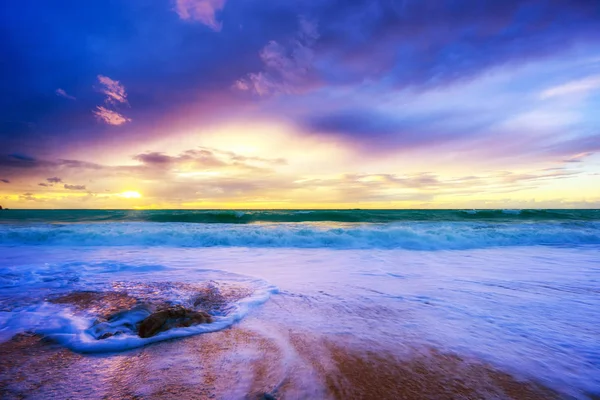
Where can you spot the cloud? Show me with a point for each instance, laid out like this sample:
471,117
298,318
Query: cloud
206,158
191,158
154,158
287,68
427,186
110,117
433,43
74,187
51,181
61,92
4,180
22,157
393,131
115,95
203,11
114,91
77,164
577,157
581,86
28,197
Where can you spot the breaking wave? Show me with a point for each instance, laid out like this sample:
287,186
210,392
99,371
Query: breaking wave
410,236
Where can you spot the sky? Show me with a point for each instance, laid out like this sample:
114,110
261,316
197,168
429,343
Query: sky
300,104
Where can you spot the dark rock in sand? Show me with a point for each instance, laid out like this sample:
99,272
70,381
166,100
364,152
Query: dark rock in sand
174,317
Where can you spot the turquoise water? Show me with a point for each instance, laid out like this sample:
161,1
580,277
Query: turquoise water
257,216
423,230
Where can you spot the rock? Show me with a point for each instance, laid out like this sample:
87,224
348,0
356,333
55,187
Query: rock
267,396
173,317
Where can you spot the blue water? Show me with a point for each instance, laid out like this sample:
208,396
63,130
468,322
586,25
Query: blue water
519,289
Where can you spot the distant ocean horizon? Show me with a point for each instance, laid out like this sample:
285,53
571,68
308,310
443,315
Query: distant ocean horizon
249,215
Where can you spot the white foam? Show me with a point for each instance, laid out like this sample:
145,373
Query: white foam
410,236
80,334
532,311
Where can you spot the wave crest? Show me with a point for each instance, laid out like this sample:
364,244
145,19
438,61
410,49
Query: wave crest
410,236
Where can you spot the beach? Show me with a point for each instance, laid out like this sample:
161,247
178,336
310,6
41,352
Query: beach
383,304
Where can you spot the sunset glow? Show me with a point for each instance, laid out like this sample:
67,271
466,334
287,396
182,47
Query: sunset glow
131,195
302,113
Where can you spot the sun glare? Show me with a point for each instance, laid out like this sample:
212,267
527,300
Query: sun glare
130,194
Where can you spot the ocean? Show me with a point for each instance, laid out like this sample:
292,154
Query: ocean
516,292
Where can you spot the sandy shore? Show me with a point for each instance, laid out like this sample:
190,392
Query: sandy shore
247,361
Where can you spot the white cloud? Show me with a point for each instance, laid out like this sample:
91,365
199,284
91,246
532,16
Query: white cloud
581,86
61,92
203,11
109,116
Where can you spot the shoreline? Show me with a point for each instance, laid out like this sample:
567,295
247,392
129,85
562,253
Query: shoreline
341,325
247,361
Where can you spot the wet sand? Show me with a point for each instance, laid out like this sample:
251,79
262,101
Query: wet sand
247,361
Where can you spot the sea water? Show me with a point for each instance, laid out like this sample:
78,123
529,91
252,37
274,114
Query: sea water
519,289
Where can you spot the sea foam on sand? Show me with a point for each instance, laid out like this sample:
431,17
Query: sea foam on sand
517,322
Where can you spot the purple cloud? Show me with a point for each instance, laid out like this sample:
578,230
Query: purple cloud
436,42
286,67
74,187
